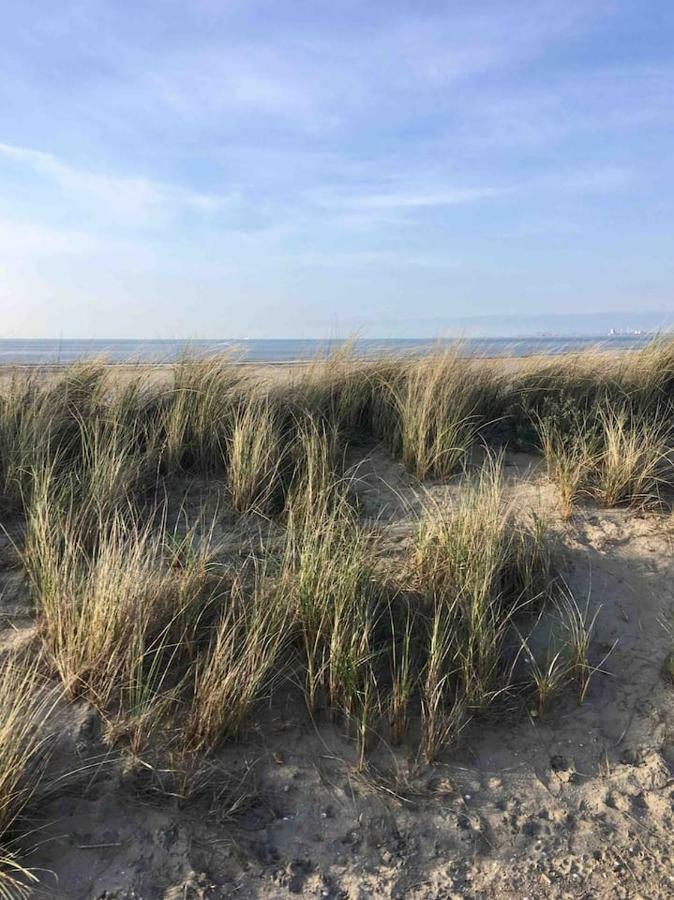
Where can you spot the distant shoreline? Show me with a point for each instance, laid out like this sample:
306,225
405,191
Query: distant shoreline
55,354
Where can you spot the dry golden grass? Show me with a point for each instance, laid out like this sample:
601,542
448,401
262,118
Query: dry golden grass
478,566
635,457
328,574
175,646
27,703
434,409
615,454
241,661
571,455
194,413
110,615
254,454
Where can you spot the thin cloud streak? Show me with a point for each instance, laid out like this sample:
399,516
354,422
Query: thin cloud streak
417,199
118,195
25,239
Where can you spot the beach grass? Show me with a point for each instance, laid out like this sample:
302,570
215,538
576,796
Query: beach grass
27,705
178,641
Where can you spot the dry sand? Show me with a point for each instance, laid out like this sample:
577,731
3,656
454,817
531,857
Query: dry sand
580,804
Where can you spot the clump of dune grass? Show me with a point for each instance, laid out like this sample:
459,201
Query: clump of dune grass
111,475
329,572
646,376
577,385
328,580
635,456
443,707
477,565
458,560
402,668
40,418
614,454
254,454
111,615
328,575
437,404
578,625
93,436
530,567
549,674
567,657
26,706
315,480
366,714
195,413
563,389
169,646
21,434
240,662
337,390
571,452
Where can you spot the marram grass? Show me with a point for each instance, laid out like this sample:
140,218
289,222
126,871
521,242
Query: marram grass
177,641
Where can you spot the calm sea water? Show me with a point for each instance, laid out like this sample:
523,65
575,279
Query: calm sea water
34,352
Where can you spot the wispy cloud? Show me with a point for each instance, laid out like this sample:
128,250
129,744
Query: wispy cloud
26,239
251,81
418,199
453,45
387,259
326,73
135,199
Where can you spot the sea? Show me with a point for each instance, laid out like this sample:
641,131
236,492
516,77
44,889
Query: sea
14,351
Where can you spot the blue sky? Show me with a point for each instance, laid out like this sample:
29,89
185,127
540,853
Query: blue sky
306,168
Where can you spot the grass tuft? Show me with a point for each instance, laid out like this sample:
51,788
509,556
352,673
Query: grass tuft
477,565
27,703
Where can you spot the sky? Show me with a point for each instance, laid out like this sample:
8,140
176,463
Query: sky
305,168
